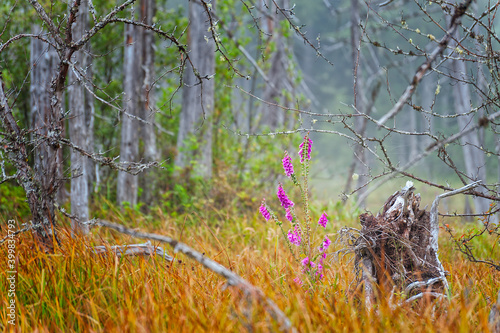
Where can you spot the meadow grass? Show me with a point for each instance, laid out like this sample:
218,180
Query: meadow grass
74,290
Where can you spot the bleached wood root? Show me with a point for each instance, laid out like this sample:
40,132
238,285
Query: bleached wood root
146,249
367,276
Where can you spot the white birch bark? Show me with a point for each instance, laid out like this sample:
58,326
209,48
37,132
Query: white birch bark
129,147
80,127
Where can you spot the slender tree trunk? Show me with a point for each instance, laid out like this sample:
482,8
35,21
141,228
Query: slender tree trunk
475,164
47,82
274,116
147,100
79,130
359,163
197,99
147,103
129,147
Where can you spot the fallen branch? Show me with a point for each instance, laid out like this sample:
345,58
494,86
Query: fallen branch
145,249
233,279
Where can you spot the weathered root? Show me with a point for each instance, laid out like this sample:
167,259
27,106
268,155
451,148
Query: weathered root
395,250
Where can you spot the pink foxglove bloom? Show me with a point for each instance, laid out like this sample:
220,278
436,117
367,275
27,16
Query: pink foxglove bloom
263,210
323,220
326,244
308,142
287,165
294,236
305,261
285,202
289,215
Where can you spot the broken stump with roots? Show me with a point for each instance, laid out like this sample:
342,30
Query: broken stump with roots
398,250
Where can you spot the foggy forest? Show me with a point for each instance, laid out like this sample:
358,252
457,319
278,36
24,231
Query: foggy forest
243,165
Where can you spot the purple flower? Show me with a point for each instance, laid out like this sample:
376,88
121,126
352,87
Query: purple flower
326,244
263,210
287,165
294,236
305,261
289,215
298,281
323,220
285,202
308,142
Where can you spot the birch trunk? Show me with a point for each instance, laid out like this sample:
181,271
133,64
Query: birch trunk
129,147
46,115
197,99
147,100
80,127
147,103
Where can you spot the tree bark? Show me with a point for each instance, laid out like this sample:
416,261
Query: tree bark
148,136
129,147
80,127
147,100
46,123
197,97
274,116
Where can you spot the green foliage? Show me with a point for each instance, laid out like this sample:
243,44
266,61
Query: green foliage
13,202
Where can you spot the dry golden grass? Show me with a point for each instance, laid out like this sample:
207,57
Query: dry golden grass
74,290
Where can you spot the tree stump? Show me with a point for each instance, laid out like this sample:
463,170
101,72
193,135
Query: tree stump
397,250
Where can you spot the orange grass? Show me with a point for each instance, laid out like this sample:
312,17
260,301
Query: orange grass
73,290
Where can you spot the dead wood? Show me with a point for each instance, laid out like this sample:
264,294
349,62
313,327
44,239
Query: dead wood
396,250
145,249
